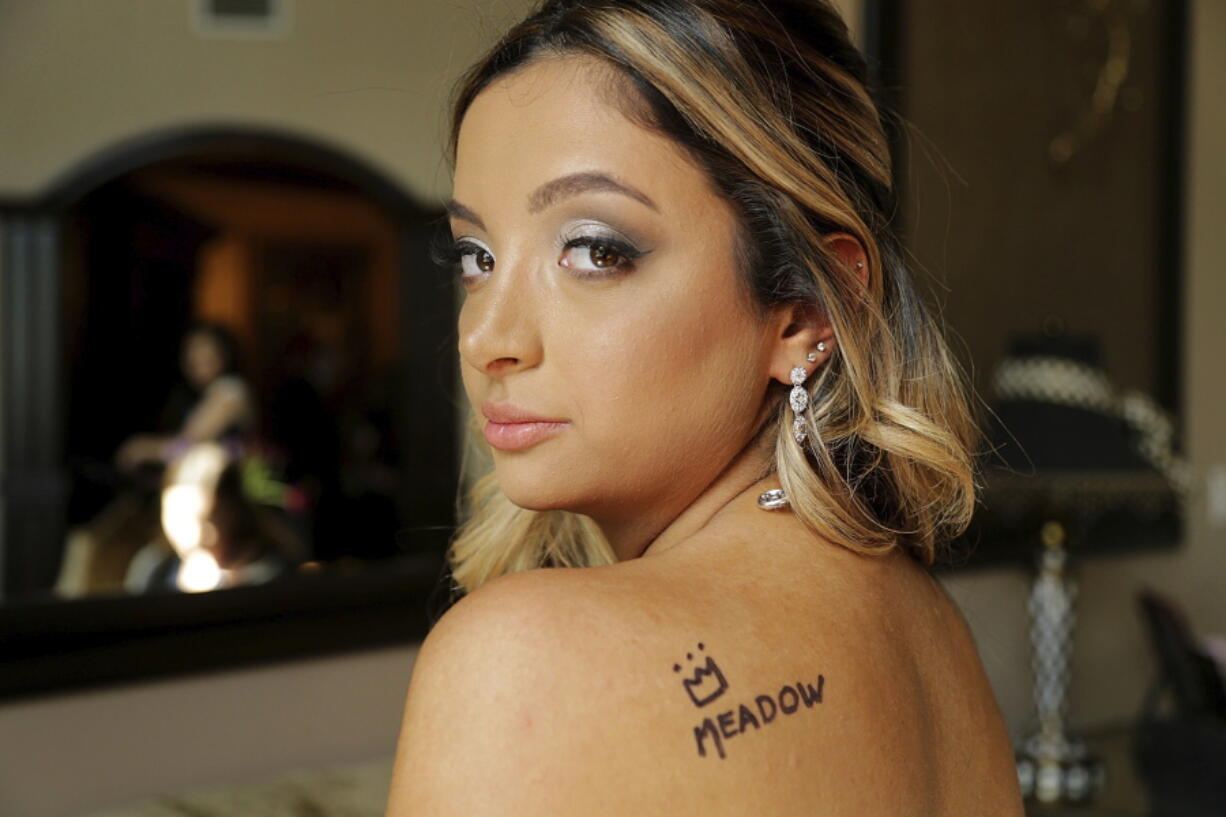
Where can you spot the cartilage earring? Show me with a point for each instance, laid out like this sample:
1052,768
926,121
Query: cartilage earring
799,400
812,356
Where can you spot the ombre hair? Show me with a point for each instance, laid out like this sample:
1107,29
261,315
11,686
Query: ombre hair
770,97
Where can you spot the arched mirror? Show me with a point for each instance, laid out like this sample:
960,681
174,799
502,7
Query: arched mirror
229,411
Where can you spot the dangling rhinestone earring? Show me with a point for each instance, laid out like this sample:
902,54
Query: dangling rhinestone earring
799,400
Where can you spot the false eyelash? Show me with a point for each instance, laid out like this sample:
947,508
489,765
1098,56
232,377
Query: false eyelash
624,250
628,253
448,255
451,254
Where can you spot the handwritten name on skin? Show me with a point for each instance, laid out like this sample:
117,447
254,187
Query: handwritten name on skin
786,701
708,683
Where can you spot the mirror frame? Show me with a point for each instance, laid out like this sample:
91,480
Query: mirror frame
51,645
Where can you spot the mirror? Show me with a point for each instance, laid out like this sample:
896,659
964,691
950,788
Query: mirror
230,373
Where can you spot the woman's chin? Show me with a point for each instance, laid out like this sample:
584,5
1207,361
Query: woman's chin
537,500
540,494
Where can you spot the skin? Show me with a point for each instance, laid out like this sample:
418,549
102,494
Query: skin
202,360
561,691
661,370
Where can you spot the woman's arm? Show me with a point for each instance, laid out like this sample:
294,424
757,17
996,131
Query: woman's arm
223,404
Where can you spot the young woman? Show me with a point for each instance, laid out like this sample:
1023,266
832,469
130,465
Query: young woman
727,441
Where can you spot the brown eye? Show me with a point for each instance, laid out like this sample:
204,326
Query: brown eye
474,261
604,255
593,255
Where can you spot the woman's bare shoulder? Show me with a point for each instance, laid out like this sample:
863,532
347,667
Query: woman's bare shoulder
622,689
527,697
593,692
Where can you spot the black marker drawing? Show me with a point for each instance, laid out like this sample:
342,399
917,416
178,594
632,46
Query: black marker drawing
708,682
730,723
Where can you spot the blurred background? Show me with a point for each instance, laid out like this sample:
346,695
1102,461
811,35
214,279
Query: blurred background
230,420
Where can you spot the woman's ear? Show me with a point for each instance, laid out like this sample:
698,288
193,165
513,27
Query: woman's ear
802,337
849,248
802,334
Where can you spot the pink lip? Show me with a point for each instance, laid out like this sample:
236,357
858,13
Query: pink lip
511,428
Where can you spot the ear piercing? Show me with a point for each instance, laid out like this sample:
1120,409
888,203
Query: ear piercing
859,265
812,356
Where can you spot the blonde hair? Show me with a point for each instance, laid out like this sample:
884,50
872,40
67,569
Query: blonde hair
771,99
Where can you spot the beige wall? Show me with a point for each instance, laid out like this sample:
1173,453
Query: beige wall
72,755
77,77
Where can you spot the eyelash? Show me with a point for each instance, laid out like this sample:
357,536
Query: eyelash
453,255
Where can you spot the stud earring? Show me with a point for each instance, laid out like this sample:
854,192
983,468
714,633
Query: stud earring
812,356
799,400
859,265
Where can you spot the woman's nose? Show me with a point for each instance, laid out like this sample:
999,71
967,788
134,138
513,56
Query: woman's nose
499,333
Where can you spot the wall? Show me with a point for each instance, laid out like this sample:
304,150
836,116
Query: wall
72,755
367,77
371,81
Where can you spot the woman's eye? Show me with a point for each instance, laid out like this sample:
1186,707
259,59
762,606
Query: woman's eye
474,261
598,255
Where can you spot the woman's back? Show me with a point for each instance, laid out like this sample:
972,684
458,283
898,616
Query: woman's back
734,674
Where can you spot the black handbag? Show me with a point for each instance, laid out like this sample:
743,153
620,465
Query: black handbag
1180,742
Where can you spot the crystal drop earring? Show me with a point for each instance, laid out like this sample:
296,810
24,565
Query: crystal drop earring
799,400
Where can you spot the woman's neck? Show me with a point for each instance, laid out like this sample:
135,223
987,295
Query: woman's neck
653,532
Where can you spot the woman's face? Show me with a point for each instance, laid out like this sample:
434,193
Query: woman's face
602,293
202,359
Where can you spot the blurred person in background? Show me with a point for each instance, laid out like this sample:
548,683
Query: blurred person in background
212,405
221,407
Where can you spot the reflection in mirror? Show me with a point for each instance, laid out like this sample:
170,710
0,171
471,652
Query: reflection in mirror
235,395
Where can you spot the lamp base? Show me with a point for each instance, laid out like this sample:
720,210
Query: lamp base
1059,772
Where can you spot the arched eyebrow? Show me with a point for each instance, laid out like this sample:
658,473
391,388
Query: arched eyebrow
563,187
573,184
